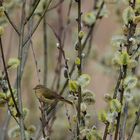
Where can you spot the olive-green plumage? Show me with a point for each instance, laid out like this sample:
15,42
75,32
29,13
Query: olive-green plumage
46,95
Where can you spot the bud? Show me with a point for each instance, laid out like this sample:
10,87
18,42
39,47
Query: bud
1,30
1,11
57,45
77,61
83,55
125,30
94,127
107,97
31,128
66,73
76,46
136,19
81,34
83,107
103,116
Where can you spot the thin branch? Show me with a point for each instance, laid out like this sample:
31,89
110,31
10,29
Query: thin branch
8,80
19,71
5,126
12,23
45,75
124,71
36,64
134,124
56,5
32,12
37,24
79,67
123,127
84,44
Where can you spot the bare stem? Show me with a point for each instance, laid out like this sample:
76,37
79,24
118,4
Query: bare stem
32,11
7,77
37,24
19,71
45,49
134,124
79,68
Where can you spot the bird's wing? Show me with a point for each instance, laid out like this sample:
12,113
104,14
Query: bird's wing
51,94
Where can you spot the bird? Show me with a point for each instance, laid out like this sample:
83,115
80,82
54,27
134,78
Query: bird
47,95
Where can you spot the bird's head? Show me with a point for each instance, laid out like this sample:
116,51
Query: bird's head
38,87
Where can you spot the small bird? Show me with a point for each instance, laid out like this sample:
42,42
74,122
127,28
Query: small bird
44,94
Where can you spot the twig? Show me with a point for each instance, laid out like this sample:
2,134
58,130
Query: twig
79,68
73,66
124,73
5,126
19,71
45,75
134,124
123,128
35,61
37,24
12,23
128,45
8,80
60,33
32,12
56,5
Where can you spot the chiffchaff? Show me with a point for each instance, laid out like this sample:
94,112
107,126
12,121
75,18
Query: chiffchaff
44,94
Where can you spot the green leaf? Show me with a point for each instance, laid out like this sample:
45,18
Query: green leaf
111,127
130,82
2,102
102,116
83,80
115,105
14,112
94,135
2,95
2,11
73,86
1,30
11,102
9,93
128,15
13,63
125,58
77,61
